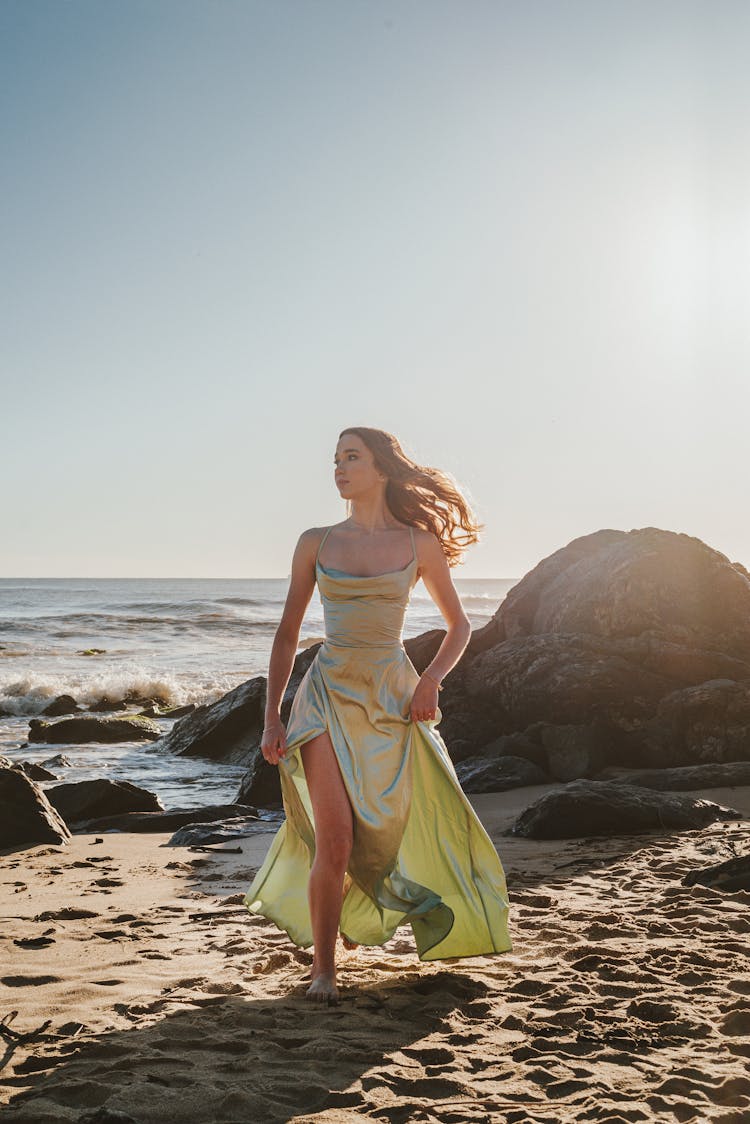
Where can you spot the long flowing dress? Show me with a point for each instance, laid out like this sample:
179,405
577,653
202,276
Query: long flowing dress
420,854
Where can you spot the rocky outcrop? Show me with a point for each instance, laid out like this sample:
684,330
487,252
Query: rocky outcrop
623,648
26,815
588,808
89,800
88,728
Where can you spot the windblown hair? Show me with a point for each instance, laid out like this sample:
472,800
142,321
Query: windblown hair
420,495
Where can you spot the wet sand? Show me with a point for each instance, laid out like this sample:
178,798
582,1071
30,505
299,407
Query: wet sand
626,996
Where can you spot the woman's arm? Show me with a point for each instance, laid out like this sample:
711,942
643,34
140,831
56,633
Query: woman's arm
436,575
286,640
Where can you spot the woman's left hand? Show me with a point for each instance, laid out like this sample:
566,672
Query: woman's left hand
424,703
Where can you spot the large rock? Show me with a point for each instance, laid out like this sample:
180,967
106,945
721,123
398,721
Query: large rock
26,815
88,800
623,631
622,584
226,730
89,728
584,808
482,774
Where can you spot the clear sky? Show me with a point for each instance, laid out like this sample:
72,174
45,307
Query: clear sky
516,235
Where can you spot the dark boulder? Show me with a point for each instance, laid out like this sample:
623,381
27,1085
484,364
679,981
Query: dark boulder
87,728
169,820
26,815
617,631
584,808
206,834
482,774
36,772
88,800
226,730
231,728
63,704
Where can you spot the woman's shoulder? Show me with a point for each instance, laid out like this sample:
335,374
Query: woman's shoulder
312,537
426,538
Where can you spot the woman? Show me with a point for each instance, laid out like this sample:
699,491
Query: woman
378,831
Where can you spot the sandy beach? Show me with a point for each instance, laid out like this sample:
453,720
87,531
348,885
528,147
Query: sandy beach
626,996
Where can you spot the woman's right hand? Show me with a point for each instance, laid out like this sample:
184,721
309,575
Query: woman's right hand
273,741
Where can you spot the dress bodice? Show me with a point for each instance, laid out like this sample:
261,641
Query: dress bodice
365,610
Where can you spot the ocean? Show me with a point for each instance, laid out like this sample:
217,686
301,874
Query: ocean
179,641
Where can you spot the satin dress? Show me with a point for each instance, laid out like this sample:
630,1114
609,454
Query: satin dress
420,854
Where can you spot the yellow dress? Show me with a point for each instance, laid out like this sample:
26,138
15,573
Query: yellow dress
420,854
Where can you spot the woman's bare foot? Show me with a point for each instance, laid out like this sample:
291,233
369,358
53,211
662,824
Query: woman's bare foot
323,989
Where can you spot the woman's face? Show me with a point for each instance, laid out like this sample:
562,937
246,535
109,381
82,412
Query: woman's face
355,471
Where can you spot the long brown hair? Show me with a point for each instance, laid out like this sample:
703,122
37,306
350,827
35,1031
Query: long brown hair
420,495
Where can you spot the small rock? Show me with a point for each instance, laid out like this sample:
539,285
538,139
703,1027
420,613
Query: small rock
87,728
63,704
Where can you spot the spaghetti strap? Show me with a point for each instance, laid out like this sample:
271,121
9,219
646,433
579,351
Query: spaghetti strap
320,544
413,548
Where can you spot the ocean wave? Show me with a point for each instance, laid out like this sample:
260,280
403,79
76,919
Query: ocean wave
78,624
30,694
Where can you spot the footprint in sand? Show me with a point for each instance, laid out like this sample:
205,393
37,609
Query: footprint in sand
68,913
28,981
737,1020
272,962
34,942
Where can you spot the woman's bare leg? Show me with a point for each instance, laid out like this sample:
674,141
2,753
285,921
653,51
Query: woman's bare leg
334,833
